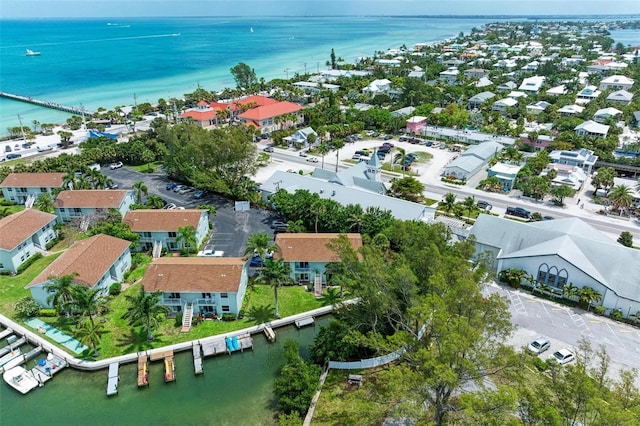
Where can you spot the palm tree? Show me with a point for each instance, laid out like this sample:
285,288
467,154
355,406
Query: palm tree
141,189
338,145
470,204
400,157
143,309
44,203
620,196
90,335
323,149
259,243
587,296
448,202
89,301
275,274
62,291
155,201
4,212
187,236
331,297
570,291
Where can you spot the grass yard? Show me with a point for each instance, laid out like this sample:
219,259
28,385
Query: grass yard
12,288
147,168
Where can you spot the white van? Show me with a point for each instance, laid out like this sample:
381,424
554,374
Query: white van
45,148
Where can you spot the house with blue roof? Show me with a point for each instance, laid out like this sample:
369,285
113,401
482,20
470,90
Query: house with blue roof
562,252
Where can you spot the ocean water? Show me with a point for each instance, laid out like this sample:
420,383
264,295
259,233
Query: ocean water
108,63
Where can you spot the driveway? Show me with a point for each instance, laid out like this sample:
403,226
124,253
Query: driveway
230,229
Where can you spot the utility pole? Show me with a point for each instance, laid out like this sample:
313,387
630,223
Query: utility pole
24,138
286,70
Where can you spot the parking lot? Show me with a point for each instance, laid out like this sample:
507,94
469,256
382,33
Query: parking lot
230,229
564,326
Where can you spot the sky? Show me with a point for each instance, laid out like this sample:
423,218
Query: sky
153,8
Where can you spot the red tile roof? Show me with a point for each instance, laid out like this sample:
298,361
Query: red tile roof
257,100
194,274
91,198
18,227
310,247
270,111
33,180
90,259
161,220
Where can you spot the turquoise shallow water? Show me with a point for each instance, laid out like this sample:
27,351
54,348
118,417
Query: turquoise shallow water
98,62
234,390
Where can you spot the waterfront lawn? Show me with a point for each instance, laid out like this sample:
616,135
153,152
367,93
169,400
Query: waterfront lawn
353,405
291,299
12,288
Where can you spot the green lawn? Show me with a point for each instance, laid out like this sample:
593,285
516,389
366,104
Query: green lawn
12,288
147,168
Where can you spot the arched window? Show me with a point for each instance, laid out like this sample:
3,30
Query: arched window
552,277
563,278
543,273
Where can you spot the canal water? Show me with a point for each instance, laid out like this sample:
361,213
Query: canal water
234,390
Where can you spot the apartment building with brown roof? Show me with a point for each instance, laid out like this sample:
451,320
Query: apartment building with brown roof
22,235
202,285
17,187
162,227
96,262
77,204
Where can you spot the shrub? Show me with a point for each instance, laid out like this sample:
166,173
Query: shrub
599,310
5,272
48,312
228,317
616,314
28,263
26,307
540,364
178,322
52,243
115,289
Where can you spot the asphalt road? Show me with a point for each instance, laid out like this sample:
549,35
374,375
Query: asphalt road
230,229
564,326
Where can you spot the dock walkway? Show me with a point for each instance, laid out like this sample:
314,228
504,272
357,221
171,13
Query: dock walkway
304,322
143,370
112,379
10,347
269,333
45,368
45,104
197,358
5,333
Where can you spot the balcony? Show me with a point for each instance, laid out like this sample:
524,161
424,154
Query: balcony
172,301
208,301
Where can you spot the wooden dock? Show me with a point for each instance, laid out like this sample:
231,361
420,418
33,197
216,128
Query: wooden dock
226,345
269,333
143,370
45,104
214,347
169,365
197,358
303,322
112,379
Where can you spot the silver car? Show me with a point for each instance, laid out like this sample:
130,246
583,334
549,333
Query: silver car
564,356
539,345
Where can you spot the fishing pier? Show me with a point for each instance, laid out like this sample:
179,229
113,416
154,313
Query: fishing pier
45,104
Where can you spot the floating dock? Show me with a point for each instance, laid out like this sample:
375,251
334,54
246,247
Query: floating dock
143,370
11,347
227,345
112,379
197,358
269,333
46,367
5,333
303,322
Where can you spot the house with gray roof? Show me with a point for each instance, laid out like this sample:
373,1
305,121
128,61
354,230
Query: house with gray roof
345,195
472,160
562,252
583,158
299,138
621,97
591,128
364,175
476,101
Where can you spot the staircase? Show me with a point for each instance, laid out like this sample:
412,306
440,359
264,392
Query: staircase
30,201
84,223
157,249
187,316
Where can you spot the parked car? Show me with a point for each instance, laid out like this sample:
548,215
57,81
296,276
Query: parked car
484,205
44,148
355,157
384,149
564,356
367,151
170,186
548,218
389,144
178,188
278,224
13,156
268,149
199,194
361,152
519,212
303,154
539,345
117,165
170,206
256,261
113,186
7,148
387,137
186,190
312,160
210,253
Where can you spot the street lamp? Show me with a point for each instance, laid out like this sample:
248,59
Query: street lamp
286,70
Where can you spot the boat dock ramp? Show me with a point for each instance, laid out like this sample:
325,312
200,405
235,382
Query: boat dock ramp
197,358
46,367
303,322
112,379
169,364
269,333
143,370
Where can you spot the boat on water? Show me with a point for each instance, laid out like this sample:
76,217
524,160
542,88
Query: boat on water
32,53
20,379
251,29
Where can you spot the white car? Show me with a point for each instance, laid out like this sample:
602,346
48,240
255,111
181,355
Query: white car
539,345
210,253
564,356
170,206
114,166
312,160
